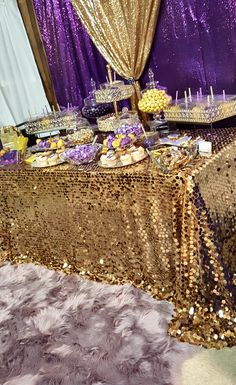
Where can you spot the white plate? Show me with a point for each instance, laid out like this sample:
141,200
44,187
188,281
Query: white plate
35,164
175,142
120,164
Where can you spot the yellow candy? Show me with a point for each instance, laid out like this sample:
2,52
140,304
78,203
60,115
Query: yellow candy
60,143
104,150
132,136
53,146
116,143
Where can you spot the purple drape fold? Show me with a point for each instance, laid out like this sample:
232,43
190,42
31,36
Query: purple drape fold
194,46
73,58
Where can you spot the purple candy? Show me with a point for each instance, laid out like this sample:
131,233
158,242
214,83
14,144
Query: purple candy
125,141
126,129
44,144
9,158
82,154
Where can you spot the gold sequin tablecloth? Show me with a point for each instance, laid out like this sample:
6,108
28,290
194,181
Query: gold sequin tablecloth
170,235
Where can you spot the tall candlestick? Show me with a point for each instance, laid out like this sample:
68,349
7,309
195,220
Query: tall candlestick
200,91
110,81
224,95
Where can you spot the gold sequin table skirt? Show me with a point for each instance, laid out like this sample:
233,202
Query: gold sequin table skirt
170,235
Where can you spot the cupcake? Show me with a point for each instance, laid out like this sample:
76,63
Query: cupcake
53,159
131,149
111,161
138,154
126,159
103,160
48,153
42,161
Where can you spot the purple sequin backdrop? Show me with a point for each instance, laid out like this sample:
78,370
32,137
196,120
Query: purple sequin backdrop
194,45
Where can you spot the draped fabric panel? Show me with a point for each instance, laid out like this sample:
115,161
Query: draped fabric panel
26,8
194,46
73,59
21,90
122,30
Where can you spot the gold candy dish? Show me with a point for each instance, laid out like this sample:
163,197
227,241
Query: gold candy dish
170,157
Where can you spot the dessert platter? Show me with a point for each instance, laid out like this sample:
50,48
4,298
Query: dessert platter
126,157
169,158
114,91
47,159
174,152
82,136
202,109
199,108
121,148
111,122
68,119
111,92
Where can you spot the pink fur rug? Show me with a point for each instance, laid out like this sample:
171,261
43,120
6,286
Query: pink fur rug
63,330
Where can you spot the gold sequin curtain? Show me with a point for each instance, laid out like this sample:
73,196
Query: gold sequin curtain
122,30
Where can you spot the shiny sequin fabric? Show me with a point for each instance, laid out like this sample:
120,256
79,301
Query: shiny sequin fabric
173,235
194,46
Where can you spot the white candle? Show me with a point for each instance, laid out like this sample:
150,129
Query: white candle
212,93
197,95
176,97
200,90
223,94
68,106
208,100
190,94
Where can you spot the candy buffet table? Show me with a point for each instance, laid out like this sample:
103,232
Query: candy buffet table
170,235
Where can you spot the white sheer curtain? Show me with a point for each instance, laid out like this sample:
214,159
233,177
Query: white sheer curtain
21,89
